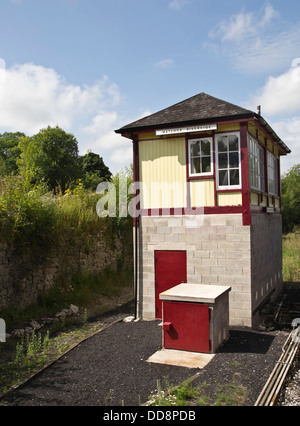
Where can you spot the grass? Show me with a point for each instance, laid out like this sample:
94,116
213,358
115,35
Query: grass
291,256
187,394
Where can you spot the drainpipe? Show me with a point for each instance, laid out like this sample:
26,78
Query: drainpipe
136,224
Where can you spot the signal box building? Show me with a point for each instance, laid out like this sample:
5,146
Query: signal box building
209,204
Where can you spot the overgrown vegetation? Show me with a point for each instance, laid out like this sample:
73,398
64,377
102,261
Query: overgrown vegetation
20,358
291,256
36,350
36,217
231,394
291,198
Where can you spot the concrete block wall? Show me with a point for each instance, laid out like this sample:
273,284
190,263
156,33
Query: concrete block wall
218,252
220,318
266,265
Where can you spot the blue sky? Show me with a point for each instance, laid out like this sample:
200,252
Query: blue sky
92,66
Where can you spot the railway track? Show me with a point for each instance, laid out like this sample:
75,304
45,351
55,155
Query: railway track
272,388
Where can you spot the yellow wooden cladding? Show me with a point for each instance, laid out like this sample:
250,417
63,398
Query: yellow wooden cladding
228,127
254,198
202,193
163,173
230,199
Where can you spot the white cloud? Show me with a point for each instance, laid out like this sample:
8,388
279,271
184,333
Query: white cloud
122,155
165,63
178,4
289,132
280,102
256,42
280,95
33,97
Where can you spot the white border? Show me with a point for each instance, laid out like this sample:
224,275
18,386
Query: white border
211,173
228,187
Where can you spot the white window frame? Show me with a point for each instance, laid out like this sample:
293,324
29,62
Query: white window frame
228,187
272,174
256,165
190,143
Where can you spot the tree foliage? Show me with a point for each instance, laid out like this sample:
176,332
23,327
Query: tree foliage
51,156
291,198
94,170
9,152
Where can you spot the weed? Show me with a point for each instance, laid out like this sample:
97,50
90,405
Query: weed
231,395
34,351
174,396
291,256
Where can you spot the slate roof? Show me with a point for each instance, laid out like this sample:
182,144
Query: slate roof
198,108
201,108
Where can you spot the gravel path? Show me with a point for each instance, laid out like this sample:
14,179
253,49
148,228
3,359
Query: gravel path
111,369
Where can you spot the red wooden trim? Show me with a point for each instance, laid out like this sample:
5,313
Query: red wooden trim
223,210
228,190
279,184
215,171
245,175
200,177
136,174
182,211
187,164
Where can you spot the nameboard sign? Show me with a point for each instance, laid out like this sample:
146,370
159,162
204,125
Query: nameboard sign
189,129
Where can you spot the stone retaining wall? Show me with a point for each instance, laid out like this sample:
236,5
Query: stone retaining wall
23,277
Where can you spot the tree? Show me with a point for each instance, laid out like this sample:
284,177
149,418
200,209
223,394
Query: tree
51,156
290,185
94,170
9,152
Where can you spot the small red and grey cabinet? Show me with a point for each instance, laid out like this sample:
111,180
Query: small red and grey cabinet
195,317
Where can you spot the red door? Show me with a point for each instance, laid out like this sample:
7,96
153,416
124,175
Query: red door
188,326
170,270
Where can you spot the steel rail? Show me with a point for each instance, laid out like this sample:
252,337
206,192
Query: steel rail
272,388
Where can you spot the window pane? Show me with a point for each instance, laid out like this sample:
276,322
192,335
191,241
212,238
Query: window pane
223,177
222,144
233,143
205,147
234,177
206,166
234,160
195,149
223,161
195,163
